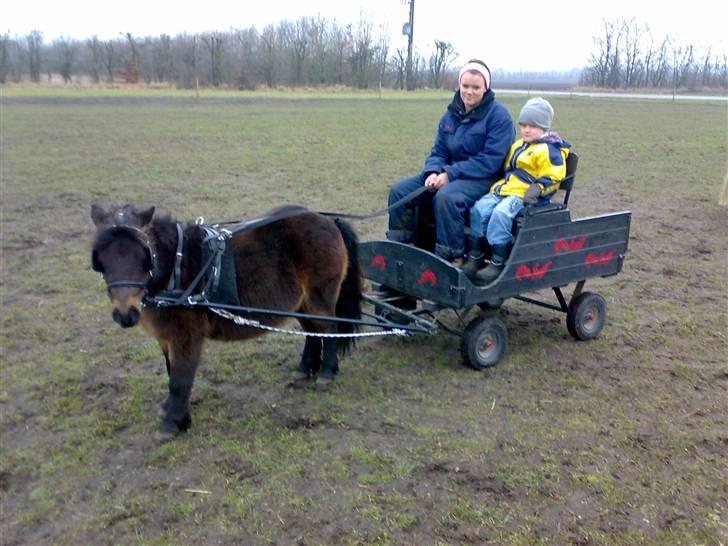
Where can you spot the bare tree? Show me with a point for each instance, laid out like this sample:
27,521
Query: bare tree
4,57
705,72
341,41
247,42
96,49
399,61
681,56
296,35
361,55
190,52
381,53
317,37
35,42
601,62
162,66
661,65
632,45
67,49
134,49
214,42
440,60
109,59
269,43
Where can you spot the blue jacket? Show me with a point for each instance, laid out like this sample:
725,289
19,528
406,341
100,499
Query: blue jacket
475,145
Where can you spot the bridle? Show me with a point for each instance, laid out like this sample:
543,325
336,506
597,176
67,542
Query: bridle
142,238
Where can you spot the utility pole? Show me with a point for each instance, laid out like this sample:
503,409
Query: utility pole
408,30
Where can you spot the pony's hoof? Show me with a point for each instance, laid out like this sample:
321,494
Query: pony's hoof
163,408
162,436
298,375
323,381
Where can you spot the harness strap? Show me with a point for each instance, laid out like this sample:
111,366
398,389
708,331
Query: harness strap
406,199
175,279
187,293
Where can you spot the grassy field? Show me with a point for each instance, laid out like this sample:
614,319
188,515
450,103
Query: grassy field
621,440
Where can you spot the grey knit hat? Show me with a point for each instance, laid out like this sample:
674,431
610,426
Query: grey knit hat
537,111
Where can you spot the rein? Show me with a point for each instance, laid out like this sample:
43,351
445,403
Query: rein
406,199
218,238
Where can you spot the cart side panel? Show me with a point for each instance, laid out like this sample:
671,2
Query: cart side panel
550,252
413,271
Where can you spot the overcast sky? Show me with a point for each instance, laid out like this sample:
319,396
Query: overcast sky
521,35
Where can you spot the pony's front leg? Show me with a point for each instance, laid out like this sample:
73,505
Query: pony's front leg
165,351
184,356
330,364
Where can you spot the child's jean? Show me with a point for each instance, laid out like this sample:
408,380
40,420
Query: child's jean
492,216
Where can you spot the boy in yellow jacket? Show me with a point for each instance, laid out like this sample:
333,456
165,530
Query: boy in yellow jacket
534,168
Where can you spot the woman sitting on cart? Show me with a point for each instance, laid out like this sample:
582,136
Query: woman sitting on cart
470,149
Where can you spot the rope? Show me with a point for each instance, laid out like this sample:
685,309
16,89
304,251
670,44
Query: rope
241,321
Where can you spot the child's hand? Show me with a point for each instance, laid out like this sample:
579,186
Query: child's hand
532,193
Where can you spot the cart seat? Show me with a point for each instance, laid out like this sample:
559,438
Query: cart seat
567,184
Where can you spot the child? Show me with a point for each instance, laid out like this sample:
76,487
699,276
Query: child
535,167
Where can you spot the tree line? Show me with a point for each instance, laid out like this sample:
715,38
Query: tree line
315,51
626,55
309,51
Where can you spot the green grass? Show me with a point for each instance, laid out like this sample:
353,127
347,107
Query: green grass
620,440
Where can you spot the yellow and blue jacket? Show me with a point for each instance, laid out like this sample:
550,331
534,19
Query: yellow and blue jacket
541,162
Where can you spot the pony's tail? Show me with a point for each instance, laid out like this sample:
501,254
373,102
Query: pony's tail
349,303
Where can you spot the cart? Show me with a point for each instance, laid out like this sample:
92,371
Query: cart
550,250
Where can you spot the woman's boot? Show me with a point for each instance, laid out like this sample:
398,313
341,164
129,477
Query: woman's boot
476,257
495,267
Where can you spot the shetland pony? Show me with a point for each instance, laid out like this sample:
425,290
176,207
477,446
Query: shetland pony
304,263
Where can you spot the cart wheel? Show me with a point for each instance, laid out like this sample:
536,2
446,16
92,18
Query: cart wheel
484,342
586,316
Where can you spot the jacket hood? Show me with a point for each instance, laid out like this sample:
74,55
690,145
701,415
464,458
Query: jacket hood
552,137
457,107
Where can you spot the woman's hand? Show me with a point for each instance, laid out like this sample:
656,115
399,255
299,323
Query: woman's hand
436,181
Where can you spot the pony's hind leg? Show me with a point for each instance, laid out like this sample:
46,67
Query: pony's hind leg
330,363
310,359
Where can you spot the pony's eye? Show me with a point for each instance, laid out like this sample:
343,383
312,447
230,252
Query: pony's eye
95,263
148,262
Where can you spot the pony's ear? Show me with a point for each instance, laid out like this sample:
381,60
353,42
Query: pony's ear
98,214
145,216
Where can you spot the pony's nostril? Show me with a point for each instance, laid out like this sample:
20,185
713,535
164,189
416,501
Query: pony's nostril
126,320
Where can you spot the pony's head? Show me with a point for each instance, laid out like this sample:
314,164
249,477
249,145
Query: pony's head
123,253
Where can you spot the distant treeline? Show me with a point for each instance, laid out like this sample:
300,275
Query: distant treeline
315,51
626,55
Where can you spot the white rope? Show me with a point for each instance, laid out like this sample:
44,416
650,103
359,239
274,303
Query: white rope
241,321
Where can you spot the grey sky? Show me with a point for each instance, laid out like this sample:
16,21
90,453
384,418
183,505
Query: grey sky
523,35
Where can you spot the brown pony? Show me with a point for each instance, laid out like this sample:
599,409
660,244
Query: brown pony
303,262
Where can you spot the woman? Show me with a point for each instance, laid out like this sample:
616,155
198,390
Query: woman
472,142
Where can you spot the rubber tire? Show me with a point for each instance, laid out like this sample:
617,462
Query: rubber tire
478,333
586,316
